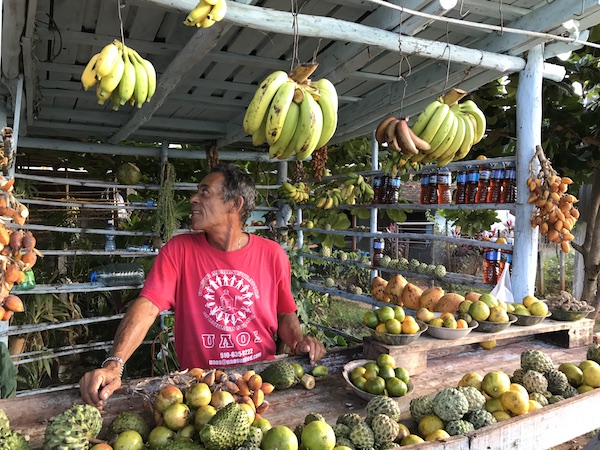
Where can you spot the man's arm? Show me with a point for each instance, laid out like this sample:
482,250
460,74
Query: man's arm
290,333
97,385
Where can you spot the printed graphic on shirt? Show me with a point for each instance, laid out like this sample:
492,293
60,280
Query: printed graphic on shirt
229,296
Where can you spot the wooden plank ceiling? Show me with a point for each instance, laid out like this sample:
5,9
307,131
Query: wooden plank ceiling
207,77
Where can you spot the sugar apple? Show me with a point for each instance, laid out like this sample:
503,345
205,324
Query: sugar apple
569,392
311,417
450,404
344,442
536,360
362,436
326,251
342,256
349,419
480,418
555,399
456,427
382,405
474,396
4,422
280,374
430,269
440,271
422,268
517,376
228,428
329,282
413,265
385,429
539,397
129,421
593,353
180,444
385,261
73,428
557,381
403,264
535,381
420,407
11,440
341,430
254,438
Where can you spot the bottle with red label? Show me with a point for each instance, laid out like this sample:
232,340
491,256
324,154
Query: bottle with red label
460,195
472,182
444,184
424,197
509,184
495,191
483,185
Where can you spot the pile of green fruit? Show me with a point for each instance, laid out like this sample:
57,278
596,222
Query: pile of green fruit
381,377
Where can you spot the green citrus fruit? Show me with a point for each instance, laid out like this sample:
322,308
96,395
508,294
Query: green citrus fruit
375,386
370,319
393,326
479,311
538,309
298,370
489,300
279,437
385,359
396,387
495,383
357,372
399,313
386,372
411,439
385,313
318,435
402,374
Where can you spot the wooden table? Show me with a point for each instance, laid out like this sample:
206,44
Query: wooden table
552,425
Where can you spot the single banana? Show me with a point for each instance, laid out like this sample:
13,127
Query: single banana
425,116
454,146
198,14
447,139
404,139
470,107
107,59
127,84
422,146
442,133
211,2
321,202
206,23
140,91
88,77
278,110
336,201
330,117
289,187
467,142
315,133
115,99
282,149
324,84
434,124
262,99
111,81
218,11
101,95
259,138
329,203
390,136
150,70
306,122
380,131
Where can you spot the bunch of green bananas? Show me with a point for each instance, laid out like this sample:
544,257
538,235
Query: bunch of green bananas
328,198
121,75
294,193
292,114
206,13
356,190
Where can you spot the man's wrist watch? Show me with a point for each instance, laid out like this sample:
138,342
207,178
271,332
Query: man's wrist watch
117,359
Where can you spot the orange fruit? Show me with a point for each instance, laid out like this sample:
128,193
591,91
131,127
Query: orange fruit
495,383
410,325
479,311
462,323
381,328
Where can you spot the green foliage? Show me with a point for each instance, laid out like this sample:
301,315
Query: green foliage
551,271
471,222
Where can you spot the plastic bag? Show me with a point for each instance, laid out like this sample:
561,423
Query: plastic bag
503,289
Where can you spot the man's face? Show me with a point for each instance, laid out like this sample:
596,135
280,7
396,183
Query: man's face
208,208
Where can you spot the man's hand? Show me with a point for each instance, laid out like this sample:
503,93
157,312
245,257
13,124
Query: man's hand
97,385
311,346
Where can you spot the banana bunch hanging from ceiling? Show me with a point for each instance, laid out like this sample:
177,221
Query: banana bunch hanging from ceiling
206,13
292,114
120,75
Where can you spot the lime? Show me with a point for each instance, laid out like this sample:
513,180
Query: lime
375,386
298,370
386,372
385,359
385,313
402,374
357,372
399,313
370,319
393,326
396,387
360,383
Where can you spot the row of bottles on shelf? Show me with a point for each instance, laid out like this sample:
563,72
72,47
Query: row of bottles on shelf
386,189
474,184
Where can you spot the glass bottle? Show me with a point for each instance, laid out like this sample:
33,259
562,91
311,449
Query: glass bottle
378,246
495,191
424,198
509,184
472,181
483,185
460,195
109,239
444,184
433,192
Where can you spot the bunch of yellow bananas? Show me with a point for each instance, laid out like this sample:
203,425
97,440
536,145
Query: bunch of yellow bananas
294,193
328,198
445,131
206,13
121,75
293,115
356,190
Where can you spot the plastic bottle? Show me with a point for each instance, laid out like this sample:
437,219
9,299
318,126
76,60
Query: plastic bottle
433,192
505,257
444,184
460,195
483,185
491,268
509,184
377,189
378,246
495,190
385,181
125,274
472,182
109,243
393,190
424,198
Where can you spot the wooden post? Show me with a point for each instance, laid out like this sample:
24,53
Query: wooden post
529,122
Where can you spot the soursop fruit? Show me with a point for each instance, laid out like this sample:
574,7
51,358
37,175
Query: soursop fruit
569,392
414,265
349,419
535,381
536,360
593,353
326,251
227,429
182,445
456,427
450,404
557,381
341,430
129,421
362,436
555,399
280,374
311,417
430,269
539,397
403,264
440,271
4,422
420,407
480,418
11,440
517,376
474,397
422,268
254,437
72,429
382,405
385,429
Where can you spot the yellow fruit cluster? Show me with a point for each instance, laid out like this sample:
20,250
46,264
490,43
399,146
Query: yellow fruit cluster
206,13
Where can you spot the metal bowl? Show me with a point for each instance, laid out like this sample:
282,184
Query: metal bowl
569,316
398,339
451,333
364,394
494,327
527,321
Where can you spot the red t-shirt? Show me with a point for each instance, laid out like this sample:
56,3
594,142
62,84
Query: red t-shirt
225,303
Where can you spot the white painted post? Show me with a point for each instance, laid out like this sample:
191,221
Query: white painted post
529,122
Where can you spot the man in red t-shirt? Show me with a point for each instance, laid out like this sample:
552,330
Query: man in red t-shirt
230,291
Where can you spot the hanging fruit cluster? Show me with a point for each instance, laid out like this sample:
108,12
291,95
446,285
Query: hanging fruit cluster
292,114
121,75
294,193
444,132
554,211
206,13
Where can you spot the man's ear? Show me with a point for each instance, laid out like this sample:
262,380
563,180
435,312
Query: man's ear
238,202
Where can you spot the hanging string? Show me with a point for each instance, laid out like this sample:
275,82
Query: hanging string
460,11
400,76
449,59
501,19
119,6
296,36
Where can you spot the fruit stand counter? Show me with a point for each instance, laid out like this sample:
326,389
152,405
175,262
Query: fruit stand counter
547,427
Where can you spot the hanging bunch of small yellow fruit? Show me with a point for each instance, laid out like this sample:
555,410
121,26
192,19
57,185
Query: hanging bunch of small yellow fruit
206,13
293,114
121,75
554,211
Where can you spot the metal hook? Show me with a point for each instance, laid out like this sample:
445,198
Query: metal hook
460,11
582,9
501,33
